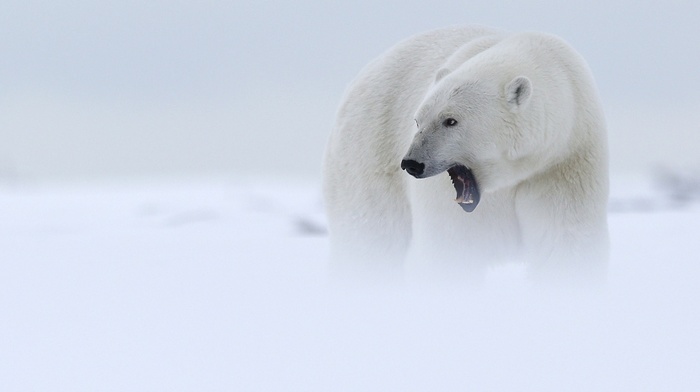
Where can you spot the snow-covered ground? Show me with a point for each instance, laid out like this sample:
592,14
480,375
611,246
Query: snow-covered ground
221,285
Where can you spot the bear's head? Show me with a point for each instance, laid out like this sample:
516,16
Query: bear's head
487,129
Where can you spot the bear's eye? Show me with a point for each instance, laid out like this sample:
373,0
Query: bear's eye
417,126
450,122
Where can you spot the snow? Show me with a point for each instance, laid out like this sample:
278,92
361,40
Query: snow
221,284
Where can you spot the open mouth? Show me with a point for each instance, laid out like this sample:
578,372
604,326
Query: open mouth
465,185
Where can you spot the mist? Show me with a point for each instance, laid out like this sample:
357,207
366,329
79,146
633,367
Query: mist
162,225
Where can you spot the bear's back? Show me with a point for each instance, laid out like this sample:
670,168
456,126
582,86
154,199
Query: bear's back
417,58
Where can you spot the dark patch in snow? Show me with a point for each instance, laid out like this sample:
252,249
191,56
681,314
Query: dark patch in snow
670,190
682,187
308,226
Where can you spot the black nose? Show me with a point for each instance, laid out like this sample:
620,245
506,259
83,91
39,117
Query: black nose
412,167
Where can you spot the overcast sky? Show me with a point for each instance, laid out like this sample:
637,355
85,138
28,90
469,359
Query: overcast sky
91,89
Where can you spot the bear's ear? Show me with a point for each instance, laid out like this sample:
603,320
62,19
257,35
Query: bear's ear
518,93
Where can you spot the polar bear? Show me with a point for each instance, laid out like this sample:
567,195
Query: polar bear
509,122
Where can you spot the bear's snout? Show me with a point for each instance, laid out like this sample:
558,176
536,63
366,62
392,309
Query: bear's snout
412,167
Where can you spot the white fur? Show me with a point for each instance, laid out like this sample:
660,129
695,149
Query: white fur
529,126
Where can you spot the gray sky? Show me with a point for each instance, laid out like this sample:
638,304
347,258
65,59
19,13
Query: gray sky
91,89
